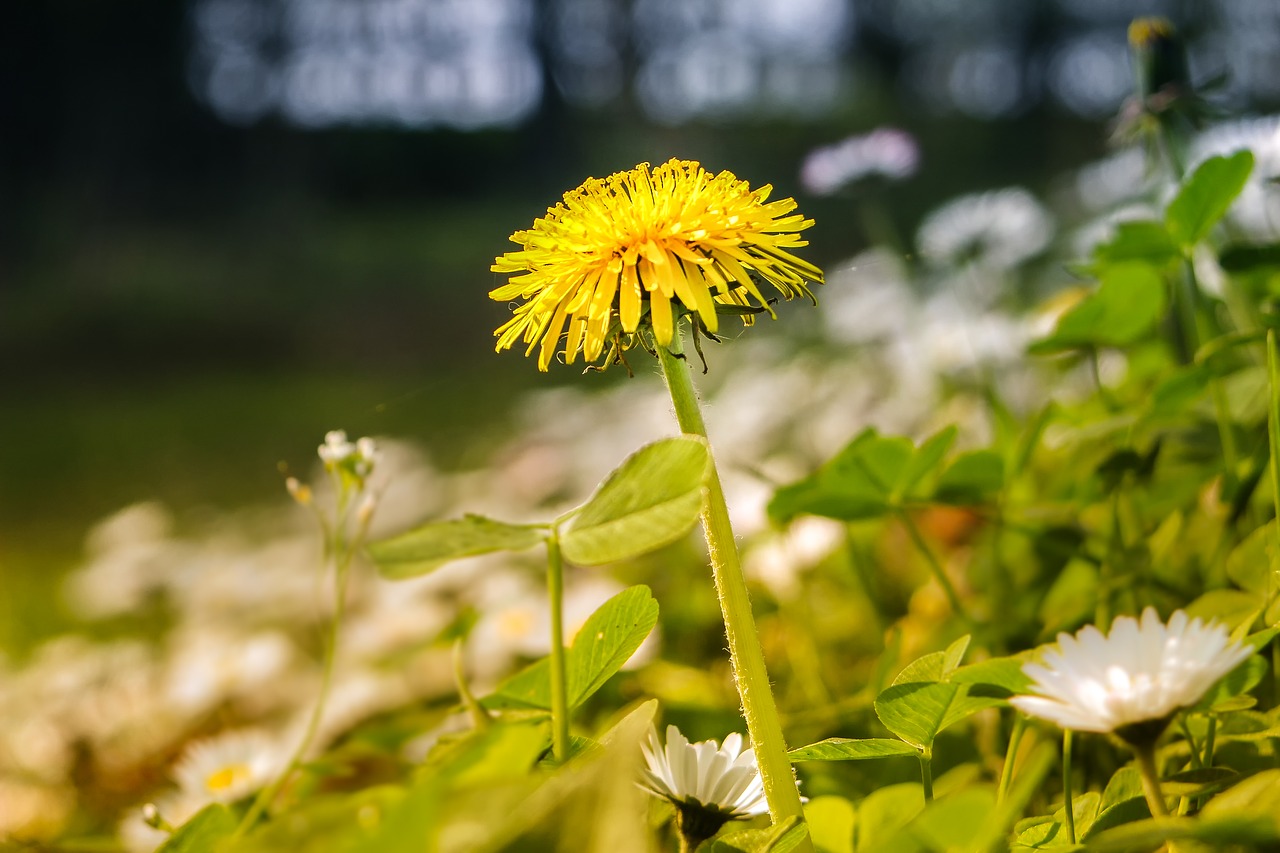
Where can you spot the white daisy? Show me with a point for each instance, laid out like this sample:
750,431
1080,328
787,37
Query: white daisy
998,230
719,779
884,151
1142,673
229,766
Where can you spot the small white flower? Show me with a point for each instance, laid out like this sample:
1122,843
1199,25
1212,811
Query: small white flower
336,448
998,230
885,151
723,779
230,766
1141,673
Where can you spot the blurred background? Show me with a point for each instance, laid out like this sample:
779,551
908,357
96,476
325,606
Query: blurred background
227,226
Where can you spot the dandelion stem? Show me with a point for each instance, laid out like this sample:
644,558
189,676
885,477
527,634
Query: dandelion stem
939,573
559,682
745,654
1066,786
1006,772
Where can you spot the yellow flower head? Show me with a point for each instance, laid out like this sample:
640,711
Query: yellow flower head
617,252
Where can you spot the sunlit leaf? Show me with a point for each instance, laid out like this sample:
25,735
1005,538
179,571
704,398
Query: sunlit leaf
1129,300
830,821
1138,241
972,478
851,749
917,712
431,545
783,836
603,644
651,500
202,833
1205,196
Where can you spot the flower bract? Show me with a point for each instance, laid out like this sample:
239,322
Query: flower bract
1142,672
641,248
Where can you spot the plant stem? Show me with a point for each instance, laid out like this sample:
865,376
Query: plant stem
559,682
926,774
264,799
745,654
1273,436
1146,756
1066,785
939,573
1006,772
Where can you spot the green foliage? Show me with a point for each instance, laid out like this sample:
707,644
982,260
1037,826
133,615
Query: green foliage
1205,197
651,500
604,643
1130,299
203,833
436,543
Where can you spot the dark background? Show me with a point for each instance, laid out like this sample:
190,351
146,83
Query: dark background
200,273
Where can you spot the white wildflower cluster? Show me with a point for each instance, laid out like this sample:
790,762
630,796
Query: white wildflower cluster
995,230
339,453
886,151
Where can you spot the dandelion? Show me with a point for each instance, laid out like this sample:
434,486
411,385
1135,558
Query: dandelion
709,784
228,767
642,248
1131,682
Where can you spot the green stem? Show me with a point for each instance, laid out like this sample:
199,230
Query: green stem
1006,772
745,654
1066,785
939,572
559,682
268,794
1146,756
926,774
1273,436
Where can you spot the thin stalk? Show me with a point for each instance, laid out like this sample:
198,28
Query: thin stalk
1146,756
926,774
940,574
1006,772
559,681
1066,785
268,794
745,654
1273,436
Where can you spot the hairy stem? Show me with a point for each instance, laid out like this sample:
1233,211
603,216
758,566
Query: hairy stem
745,654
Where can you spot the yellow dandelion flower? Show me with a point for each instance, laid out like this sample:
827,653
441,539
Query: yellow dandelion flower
617,253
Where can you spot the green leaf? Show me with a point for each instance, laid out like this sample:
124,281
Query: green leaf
779,838
867,479
948,823
1249,564
1247,258
1205,197
927,458
651,500
1239,681
973,478
851,749
603,644
930,667
1175,394
1257,796
882,812
830,822
203,832
1003,673
1138,241
430,546
1130,299
917,712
